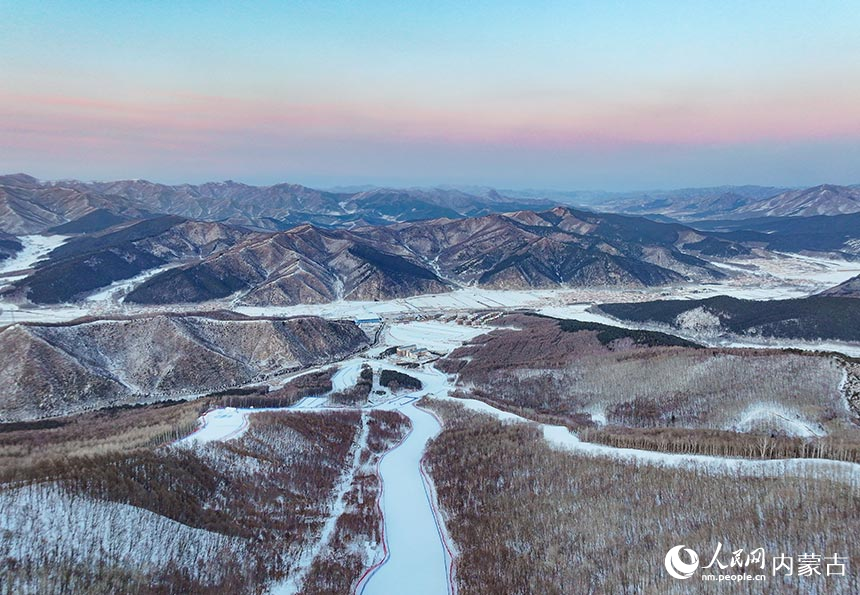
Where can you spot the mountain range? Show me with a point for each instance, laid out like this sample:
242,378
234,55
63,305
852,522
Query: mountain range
738,202
30,206
194,261
287,244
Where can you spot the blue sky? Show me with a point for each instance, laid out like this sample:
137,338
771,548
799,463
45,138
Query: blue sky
614,95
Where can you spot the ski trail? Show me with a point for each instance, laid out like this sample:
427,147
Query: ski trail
562,438
418,559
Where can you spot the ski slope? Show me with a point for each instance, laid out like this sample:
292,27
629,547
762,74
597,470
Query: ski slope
416,548
417,559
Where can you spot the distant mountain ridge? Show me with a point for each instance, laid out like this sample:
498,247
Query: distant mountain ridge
741,202
30,206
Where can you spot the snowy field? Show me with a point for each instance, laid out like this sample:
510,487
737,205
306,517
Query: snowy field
118,289
36,247
416,552
441,337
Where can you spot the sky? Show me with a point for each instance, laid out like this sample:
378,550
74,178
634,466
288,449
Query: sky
537,94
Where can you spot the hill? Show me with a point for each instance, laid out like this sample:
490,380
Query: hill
813,318
51,370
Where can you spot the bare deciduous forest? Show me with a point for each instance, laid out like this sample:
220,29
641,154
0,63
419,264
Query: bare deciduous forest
227,517
623,391
527,518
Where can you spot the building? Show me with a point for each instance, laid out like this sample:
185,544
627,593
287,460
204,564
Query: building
406,351
369,320
413,352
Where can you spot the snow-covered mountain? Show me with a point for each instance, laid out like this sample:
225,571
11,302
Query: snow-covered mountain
28,205
61,369
826,199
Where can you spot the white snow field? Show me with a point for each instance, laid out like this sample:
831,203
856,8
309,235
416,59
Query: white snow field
437,336
346,375
36,247
118,289
219,425
790,422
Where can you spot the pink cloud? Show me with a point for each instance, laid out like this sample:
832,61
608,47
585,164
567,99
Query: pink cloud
193,122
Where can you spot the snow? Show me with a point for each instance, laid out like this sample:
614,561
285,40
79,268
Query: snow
790,422
12,313
118,289
219,425
419,551
46,521
580,312
294,583
772,277
416,552
346,375
459,300
417,543
487,409
36,247
562,438
437,336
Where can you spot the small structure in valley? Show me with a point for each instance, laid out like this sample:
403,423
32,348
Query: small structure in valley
412,352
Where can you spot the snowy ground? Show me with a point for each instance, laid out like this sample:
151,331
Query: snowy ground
775,415
437,336
294,583
41,520
416,554
36,247
416,541
118,289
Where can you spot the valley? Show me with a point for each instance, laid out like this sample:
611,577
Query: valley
349,409
441,298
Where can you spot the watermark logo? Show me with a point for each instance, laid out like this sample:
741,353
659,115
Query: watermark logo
682,563
676,567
